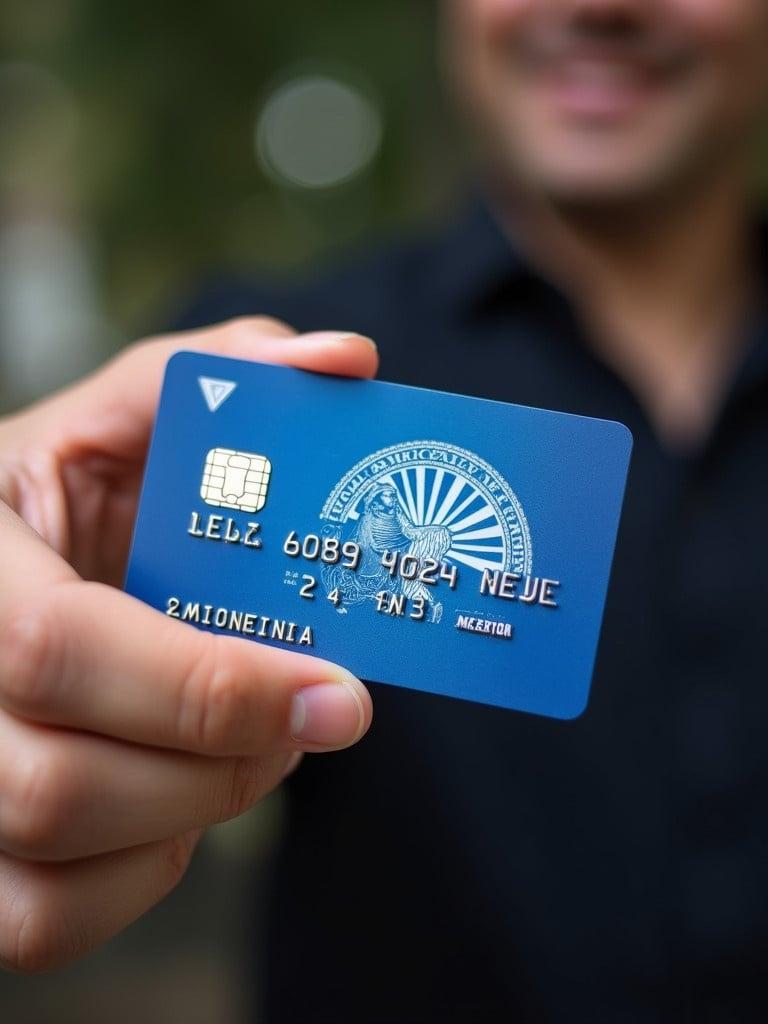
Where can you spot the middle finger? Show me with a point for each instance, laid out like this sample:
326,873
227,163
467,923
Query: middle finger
67,795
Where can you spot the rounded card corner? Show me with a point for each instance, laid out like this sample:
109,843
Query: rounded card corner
573,711
180,356
624,433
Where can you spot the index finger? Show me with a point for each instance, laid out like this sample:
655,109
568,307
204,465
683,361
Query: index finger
90,657
87,656
119,401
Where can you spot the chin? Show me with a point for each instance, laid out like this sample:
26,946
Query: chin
592,175
600,188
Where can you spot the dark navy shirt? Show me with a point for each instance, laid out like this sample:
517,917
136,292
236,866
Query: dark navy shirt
464,863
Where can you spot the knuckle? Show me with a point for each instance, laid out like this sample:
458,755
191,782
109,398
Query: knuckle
136,350
245,785
39,804
214,702
29,645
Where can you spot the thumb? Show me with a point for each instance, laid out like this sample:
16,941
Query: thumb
114,408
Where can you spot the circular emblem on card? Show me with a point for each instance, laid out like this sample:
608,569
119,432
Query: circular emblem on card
431,500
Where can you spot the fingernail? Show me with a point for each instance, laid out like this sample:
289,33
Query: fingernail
328,714
293,763
323,337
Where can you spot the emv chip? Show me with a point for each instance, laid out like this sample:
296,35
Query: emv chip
234,479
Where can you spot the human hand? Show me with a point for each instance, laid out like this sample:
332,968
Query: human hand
123,734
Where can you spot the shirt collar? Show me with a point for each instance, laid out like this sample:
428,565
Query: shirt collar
753,371
478,260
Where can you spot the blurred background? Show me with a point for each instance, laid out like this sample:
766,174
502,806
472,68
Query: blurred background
142,148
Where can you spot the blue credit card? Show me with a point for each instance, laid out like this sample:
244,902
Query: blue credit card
428,540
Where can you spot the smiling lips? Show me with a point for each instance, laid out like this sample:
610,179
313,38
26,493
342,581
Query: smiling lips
603,79
605,89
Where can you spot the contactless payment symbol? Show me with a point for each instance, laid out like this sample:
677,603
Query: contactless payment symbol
233,479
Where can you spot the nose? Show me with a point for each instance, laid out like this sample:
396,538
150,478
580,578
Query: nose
611,16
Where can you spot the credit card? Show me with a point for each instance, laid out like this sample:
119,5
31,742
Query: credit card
428,540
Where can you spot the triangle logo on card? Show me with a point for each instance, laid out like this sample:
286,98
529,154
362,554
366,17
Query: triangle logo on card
215,392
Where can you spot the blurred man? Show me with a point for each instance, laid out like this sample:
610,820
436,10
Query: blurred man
461,863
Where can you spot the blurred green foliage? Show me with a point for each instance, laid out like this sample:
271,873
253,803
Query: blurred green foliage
162,172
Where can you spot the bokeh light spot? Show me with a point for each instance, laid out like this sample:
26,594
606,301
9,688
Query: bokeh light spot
315,131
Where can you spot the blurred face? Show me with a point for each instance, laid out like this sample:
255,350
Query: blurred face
597,99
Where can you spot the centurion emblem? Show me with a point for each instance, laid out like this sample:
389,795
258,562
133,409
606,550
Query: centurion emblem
431,500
